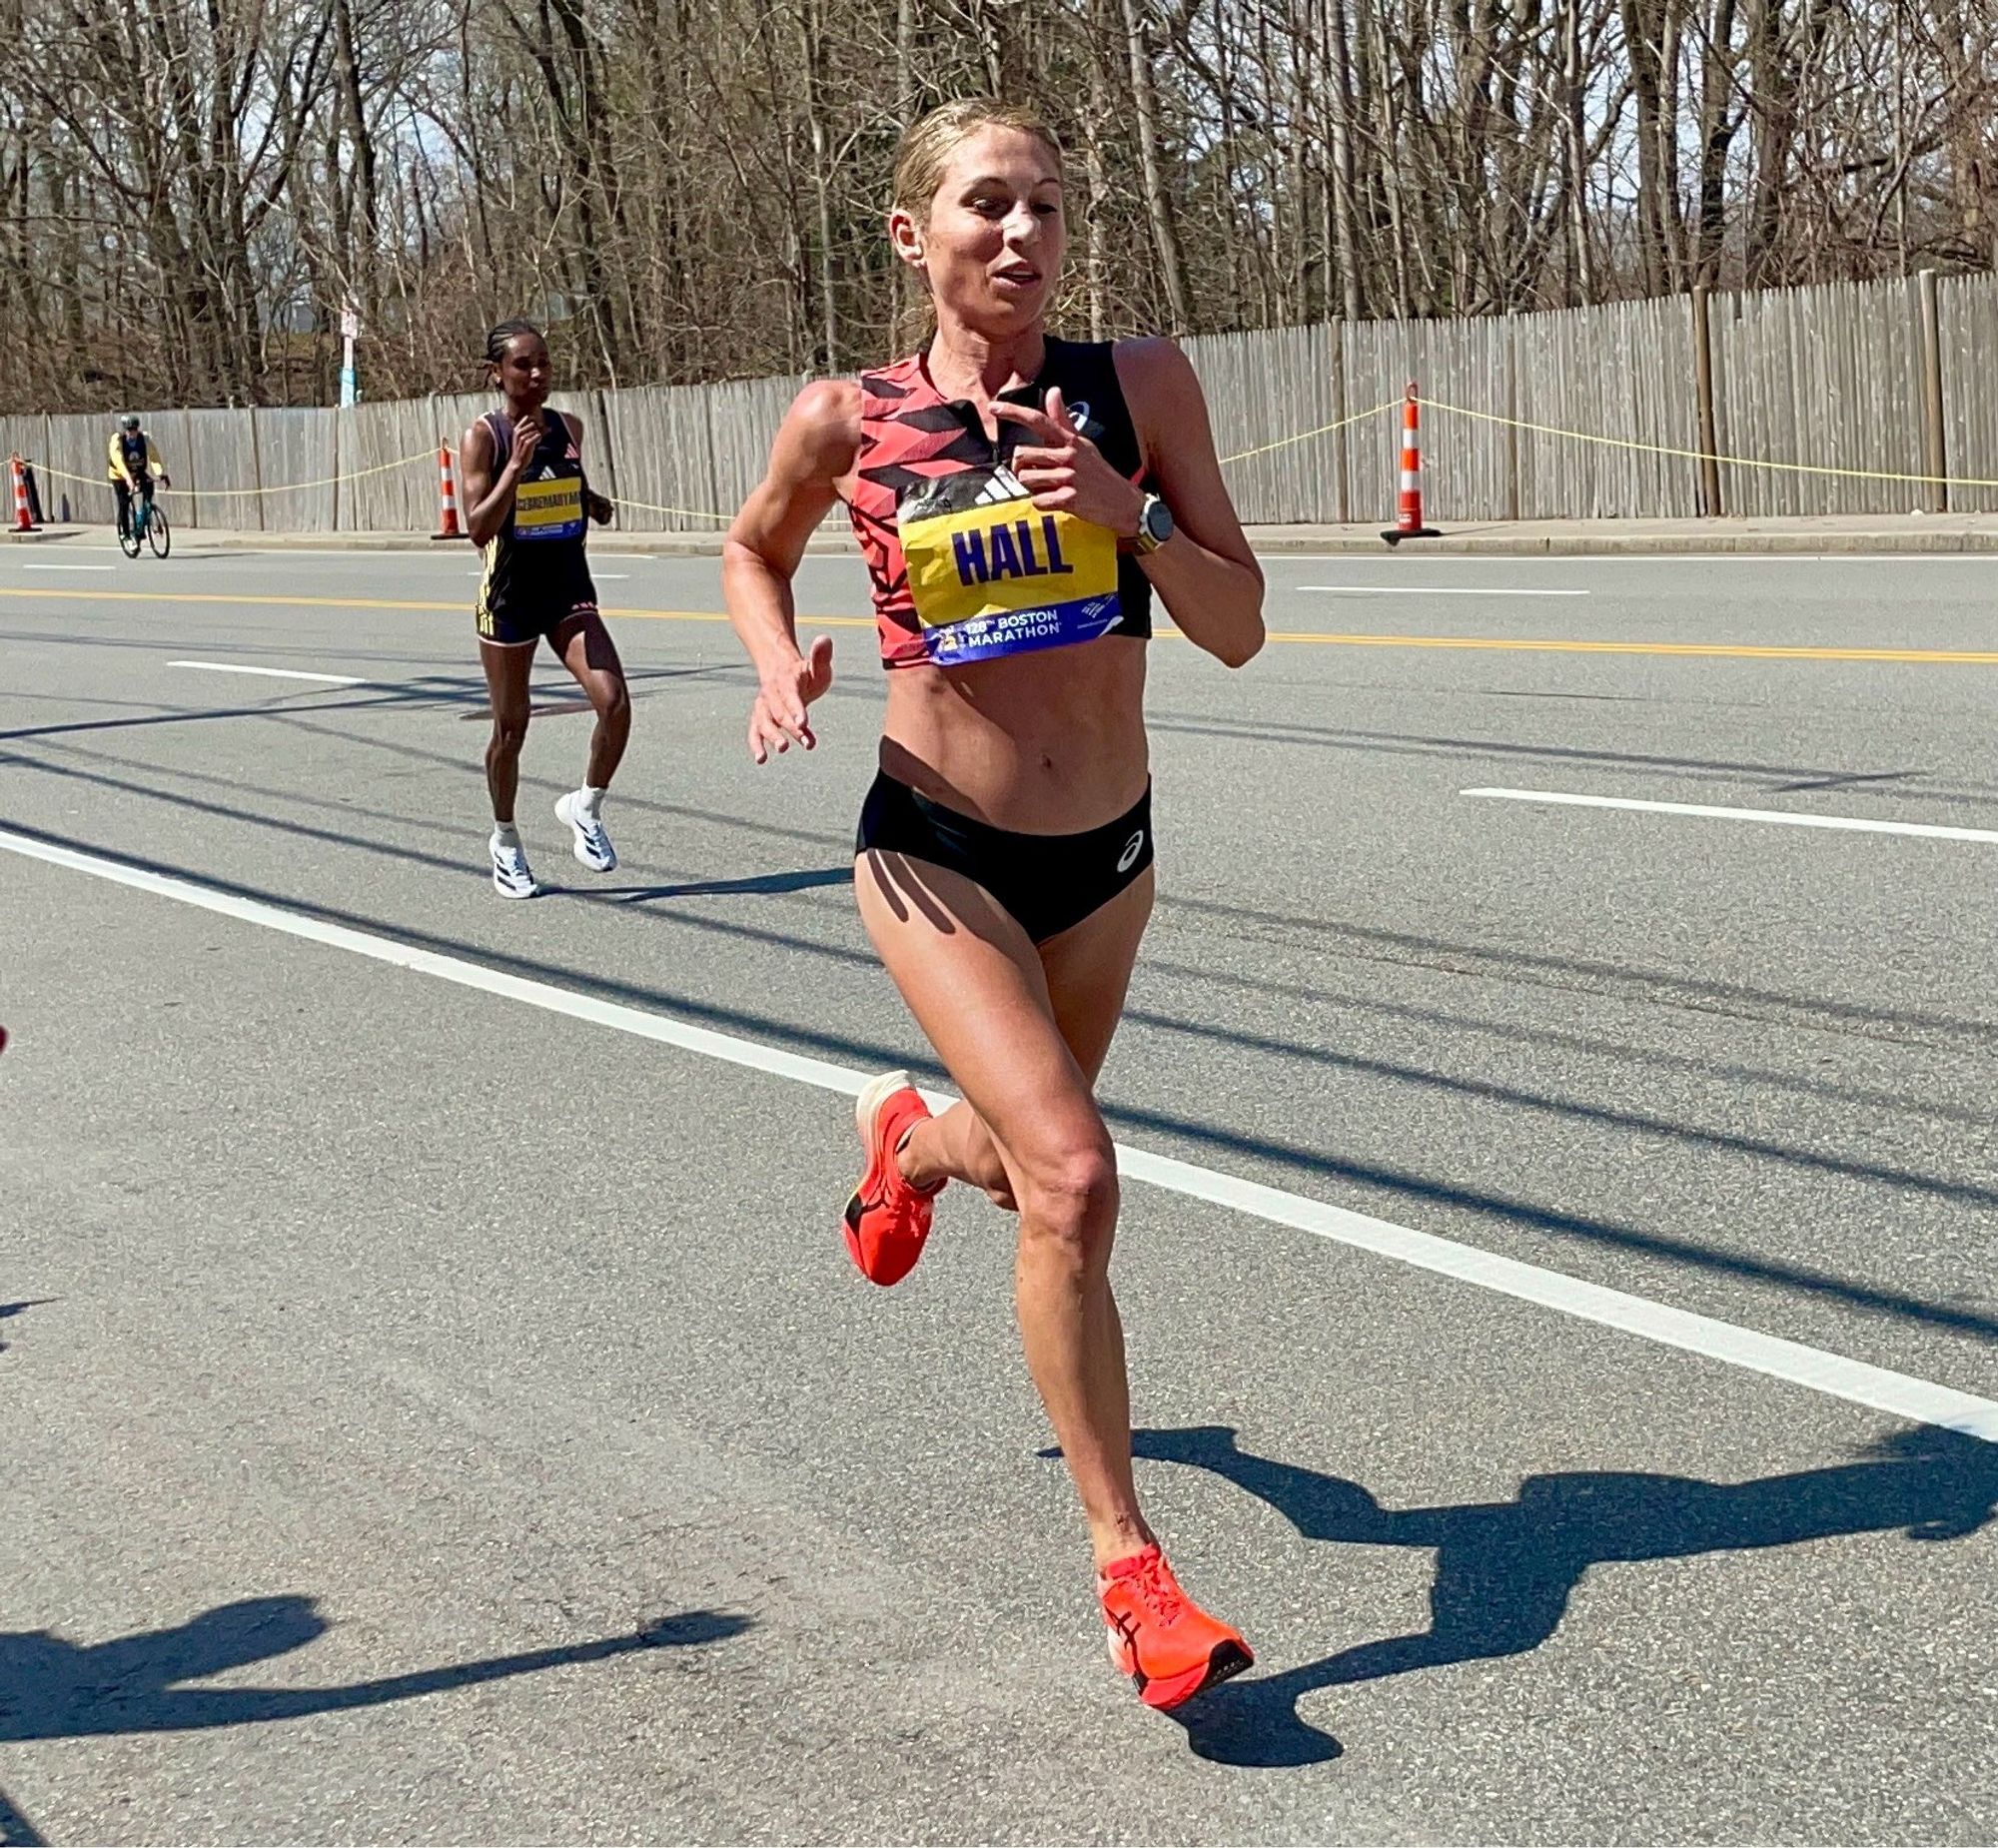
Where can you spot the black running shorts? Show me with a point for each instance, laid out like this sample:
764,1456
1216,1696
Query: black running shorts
1047,882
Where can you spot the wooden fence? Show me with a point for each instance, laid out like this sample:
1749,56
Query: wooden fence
1841,399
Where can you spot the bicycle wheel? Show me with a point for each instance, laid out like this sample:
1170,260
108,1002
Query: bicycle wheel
158,534
128,535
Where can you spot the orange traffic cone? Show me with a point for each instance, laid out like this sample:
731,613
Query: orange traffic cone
448,526
1409,522
23,519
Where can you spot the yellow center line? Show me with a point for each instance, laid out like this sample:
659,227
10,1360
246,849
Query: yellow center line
222,597
1752,651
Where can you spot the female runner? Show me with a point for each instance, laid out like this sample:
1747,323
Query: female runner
1018,499
527,500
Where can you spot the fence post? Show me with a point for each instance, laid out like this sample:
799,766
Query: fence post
707,397
599,411
333,411
1702,379
183,445
1341,410
256,468
1935,448
1511,417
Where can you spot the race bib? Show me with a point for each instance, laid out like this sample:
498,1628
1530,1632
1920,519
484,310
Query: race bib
548,509
993,575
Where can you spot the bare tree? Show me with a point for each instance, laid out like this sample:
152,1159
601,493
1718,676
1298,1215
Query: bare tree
191,189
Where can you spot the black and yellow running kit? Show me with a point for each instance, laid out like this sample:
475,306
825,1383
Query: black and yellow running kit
537,577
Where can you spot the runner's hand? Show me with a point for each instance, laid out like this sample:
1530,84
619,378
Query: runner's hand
777,720
1065,472
526,439
602,508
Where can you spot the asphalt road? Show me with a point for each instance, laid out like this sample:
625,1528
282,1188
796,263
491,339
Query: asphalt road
437,1406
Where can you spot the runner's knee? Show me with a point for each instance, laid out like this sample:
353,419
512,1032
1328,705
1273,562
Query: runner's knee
1068,1195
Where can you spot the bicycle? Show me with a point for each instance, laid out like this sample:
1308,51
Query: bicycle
145,525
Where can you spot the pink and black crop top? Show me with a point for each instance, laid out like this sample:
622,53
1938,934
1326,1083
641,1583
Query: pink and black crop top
964,567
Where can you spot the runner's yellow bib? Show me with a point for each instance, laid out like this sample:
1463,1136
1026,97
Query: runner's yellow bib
992,574
548,509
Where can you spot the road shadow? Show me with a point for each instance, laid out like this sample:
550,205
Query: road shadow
51,1688
877,1055
765,886
16,1831
10,1309
1506,1570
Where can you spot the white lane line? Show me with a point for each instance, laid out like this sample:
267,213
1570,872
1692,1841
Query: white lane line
49,565
1857,824
1901,1395
1428,590
447,553
272,673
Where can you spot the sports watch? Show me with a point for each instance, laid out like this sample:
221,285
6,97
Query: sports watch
1155,525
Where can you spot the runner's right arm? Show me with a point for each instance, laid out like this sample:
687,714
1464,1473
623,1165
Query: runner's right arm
489,493
815,446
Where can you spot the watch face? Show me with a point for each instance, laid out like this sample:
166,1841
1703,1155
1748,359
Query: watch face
1157,520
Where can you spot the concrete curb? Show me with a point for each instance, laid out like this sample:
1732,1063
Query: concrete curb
1720,537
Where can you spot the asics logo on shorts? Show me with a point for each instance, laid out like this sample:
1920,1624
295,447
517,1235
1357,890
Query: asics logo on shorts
1132,848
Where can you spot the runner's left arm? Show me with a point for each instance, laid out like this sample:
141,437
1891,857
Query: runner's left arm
1208,577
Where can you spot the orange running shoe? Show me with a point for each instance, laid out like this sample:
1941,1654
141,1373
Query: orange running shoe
888,1220
1159,1636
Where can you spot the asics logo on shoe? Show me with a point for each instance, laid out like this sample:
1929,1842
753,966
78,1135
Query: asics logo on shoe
1132,848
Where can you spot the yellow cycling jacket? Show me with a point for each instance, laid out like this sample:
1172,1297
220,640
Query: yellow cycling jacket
117,471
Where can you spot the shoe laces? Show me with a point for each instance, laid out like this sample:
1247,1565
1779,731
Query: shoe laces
1157,1591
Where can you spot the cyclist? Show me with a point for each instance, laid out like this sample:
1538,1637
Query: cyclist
135,468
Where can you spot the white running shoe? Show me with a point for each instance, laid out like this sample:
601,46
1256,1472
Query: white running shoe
510,875
593,845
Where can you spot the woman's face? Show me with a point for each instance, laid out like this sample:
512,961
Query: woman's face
523,372
992,245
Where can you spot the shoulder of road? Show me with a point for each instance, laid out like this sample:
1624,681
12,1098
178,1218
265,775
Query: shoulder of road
1807,537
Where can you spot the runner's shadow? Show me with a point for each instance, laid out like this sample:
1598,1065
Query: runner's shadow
54,1689
1506,1570
765,885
